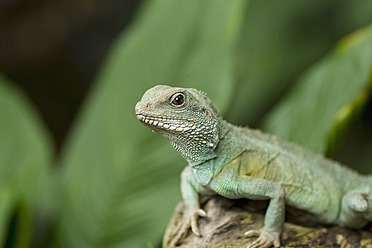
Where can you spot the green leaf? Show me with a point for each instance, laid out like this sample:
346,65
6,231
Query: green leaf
317,103
121,180
6,211
25,152
279,40
346,117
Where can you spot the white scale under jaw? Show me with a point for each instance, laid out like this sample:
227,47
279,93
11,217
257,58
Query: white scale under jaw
157,122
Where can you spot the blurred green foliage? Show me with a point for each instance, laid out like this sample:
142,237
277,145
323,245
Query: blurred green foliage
118,182
26,156
321,97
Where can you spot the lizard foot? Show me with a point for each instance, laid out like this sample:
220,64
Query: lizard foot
265,238
190,219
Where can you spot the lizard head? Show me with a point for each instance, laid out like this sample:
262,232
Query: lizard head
186,117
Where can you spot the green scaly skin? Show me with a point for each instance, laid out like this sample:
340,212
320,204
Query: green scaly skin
237,162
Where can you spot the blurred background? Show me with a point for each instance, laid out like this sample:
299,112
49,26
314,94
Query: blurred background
53,50
78,170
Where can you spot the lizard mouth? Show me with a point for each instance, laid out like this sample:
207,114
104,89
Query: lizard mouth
165,123
153,121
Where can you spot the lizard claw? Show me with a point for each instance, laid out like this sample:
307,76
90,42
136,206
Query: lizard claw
194,221
265,238
190,219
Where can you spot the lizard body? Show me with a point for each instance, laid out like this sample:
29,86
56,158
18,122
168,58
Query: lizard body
237,162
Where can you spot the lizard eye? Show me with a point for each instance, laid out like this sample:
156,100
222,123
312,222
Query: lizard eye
178,99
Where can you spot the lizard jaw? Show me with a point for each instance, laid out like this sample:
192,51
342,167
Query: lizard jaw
175,126
165,123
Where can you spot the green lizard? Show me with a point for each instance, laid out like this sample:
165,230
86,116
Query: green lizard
237,162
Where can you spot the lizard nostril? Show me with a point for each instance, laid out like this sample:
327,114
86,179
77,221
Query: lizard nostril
148,105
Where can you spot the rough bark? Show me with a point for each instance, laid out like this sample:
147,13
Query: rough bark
228,220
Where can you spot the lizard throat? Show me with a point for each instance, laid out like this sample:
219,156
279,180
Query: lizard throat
194,140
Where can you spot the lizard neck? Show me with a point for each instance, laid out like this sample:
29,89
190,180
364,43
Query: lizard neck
199,145
226,150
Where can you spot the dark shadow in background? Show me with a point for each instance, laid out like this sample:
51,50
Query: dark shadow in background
53,49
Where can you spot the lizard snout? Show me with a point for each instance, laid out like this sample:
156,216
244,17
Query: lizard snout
142,107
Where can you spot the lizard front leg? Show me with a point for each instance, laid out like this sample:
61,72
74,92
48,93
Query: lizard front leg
261,189
190,193
258,189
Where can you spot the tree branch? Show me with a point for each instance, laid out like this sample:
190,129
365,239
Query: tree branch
228,220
